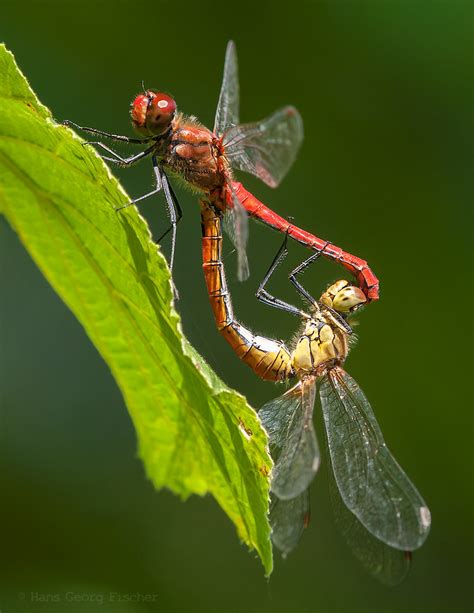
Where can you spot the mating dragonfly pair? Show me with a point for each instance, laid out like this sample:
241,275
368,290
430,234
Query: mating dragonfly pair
374,491
379,511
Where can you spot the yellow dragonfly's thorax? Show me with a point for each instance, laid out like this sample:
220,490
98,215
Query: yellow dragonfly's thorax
321,342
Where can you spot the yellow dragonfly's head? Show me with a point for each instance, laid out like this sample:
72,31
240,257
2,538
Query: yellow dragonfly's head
343,297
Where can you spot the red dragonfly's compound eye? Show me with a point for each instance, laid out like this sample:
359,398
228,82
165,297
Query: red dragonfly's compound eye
138,111
152,112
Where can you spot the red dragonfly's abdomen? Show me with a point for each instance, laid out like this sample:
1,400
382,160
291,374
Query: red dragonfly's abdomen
368,282
269,359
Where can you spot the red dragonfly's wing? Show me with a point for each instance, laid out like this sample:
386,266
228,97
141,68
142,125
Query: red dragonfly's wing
370,481
235,223
266,148
288,519
227,112
288,421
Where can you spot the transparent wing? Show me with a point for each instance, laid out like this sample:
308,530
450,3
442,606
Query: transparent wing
266,148
370,481
288,519
227,112
235,223
288,421
390,566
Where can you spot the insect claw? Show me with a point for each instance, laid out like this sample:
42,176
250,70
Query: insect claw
124,206
175,291
68,123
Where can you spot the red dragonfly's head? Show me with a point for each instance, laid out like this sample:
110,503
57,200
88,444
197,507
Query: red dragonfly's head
152,113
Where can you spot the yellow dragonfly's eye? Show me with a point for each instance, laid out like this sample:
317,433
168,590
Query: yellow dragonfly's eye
348,299
343,297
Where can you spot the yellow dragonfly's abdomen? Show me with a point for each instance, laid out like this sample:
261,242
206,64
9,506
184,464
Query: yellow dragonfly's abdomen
268,358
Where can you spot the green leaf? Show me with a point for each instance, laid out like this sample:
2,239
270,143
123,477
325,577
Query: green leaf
59,197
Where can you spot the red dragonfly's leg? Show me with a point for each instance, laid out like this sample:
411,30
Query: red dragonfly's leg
118,159
119,137
367,280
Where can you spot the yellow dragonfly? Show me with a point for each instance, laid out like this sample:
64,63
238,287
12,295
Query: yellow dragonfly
383,510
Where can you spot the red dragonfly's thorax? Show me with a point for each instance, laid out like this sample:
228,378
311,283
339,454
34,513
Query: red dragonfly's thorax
192,151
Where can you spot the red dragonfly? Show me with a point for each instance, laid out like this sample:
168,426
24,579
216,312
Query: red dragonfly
185,148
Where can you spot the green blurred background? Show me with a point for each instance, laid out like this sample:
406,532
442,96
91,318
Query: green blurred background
384,89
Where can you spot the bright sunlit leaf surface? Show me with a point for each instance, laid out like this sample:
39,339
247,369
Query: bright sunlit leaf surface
194,434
